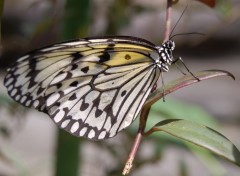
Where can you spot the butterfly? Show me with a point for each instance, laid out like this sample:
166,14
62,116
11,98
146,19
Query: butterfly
92,87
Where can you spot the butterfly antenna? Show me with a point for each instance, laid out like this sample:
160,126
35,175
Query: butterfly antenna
188,33
178,21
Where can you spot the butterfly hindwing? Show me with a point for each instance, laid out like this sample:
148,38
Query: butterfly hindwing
90,87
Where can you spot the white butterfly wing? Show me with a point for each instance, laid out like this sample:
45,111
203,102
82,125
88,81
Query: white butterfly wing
89,87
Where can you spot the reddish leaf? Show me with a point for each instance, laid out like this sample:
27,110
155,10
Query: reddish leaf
210,3
185,81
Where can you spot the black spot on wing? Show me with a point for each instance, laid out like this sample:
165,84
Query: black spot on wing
69,75
123,93
73,97
57,104
127,57
104,57
74,84
110,45
74,66
31,83
85,69
59,85
76,56
40,90
84,106
98,112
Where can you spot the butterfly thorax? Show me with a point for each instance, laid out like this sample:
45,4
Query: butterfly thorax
165,55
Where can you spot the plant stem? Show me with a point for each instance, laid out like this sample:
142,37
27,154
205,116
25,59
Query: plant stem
132,154
143,118
168,20
1,14
137,141
67,160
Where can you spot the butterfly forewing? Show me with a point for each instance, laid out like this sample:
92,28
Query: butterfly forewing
90,87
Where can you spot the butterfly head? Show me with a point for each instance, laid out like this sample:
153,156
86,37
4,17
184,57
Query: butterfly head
170,45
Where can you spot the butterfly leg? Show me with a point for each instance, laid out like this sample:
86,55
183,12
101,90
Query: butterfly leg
163,86
178,67
180,59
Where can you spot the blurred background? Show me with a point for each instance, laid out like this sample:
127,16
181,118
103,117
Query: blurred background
30,143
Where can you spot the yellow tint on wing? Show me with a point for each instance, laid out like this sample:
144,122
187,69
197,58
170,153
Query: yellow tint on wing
126,58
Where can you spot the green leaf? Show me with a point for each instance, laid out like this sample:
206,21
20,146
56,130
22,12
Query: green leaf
172,109
213,165
76,19
200,135
226,9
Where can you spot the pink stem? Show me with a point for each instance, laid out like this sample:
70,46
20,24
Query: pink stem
132,154
168,20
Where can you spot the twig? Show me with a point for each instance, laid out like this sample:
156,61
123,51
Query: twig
143,118
132,154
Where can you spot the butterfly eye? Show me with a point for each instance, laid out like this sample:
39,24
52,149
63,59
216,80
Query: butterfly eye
172,45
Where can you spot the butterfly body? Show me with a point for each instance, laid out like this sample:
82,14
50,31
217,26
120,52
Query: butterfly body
92,87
